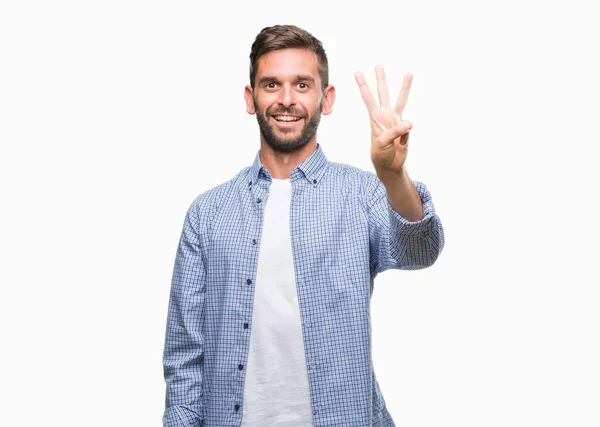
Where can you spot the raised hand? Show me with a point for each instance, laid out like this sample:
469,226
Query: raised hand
389,133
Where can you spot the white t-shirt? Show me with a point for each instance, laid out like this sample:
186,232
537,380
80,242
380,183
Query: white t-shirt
276,391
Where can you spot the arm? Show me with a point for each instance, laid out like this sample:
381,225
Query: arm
402,194
184,344
404,231
396,242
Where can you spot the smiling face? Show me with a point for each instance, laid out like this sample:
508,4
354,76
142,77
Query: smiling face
287,99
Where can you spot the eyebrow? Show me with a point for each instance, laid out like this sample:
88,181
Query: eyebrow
271,79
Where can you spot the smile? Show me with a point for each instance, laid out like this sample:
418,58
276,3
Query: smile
286,121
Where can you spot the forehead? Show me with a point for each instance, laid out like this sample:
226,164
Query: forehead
288,63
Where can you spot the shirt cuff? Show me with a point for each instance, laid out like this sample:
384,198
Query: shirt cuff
411,228
178,416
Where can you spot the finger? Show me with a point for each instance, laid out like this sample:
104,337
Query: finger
403,96
379,125
365,92
404,139
400,130
382,89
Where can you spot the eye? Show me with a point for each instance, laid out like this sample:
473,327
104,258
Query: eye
270,85
304,84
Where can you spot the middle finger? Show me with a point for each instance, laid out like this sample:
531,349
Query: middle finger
382,89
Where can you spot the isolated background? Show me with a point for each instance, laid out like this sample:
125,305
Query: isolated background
115,115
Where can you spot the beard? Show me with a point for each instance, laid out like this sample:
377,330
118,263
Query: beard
291,144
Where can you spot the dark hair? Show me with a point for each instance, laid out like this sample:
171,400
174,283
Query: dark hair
285,37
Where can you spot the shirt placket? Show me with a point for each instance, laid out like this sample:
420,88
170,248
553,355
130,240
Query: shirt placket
301,192
254,202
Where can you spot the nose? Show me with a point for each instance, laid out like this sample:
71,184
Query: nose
286,96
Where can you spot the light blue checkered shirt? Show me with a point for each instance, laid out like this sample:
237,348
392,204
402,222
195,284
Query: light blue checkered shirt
343,233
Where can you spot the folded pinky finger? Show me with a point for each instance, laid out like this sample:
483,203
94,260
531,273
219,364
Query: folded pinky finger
404,138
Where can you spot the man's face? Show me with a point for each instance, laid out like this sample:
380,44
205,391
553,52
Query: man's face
287,98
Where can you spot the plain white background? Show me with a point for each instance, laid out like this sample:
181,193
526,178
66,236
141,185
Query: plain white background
115,115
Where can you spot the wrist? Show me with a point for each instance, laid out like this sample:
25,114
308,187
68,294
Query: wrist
387,175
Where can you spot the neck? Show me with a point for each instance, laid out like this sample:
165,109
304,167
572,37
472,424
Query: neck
281,165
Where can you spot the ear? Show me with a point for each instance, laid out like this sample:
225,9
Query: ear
249,100
328,100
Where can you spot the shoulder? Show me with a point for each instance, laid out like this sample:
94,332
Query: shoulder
369,185
365,182
202,209
351,174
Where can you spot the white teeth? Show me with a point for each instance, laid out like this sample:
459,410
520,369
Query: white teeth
286,118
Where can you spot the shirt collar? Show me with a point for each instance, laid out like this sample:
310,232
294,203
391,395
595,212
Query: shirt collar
311,169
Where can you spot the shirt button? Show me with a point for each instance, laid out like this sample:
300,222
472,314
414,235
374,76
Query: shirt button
236,407
258,200
245,326
254,241
314,181
248,282
240,367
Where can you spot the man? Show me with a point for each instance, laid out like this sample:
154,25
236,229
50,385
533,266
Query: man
269,312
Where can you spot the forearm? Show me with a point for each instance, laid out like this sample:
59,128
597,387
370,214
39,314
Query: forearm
183,355
184,350
402,194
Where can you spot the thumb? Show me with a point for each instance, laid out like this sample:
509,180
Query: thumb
394,132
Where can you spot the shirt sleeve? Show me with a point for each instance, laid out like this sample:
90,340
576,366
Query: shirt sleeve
395,242
183,357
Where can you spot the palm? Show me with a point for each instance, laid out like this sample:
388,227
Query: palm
389,133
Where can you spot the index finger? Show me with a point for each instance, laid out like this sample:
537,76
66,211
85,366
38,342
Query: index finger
365,92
